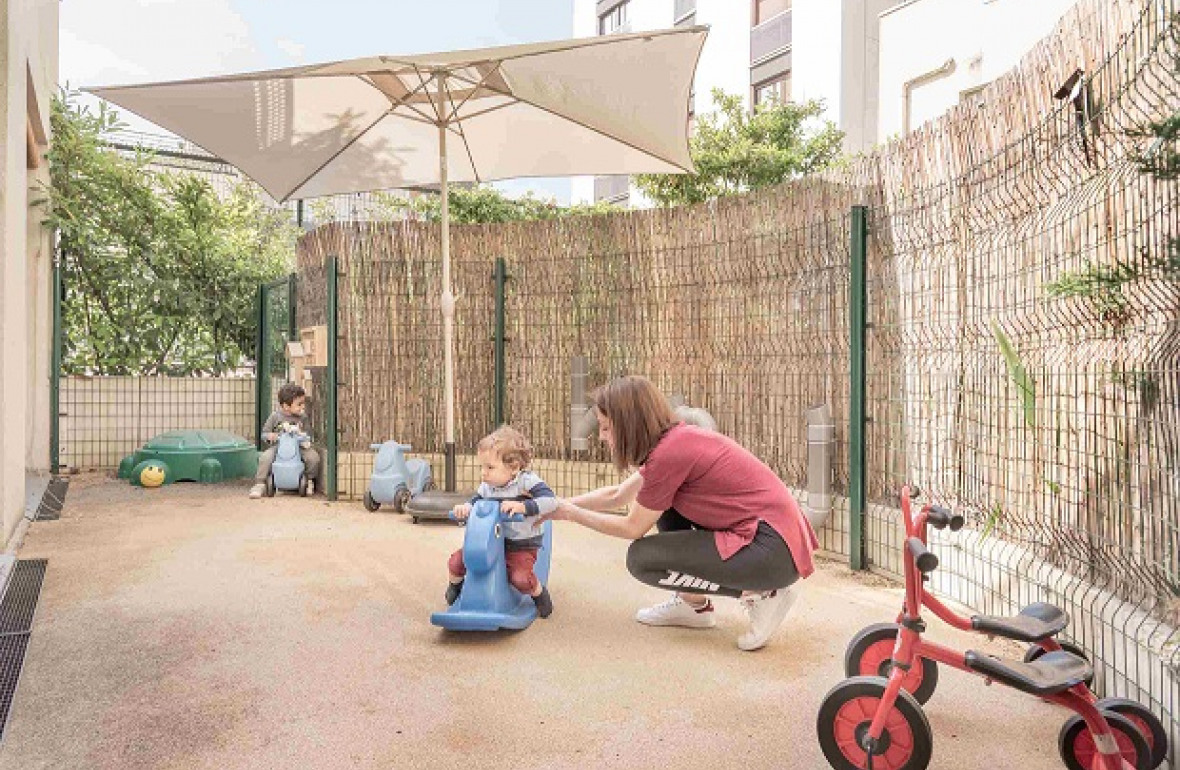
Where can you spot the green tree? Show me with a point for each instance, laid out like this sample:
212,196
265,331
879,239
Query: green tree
735,151
467,205
159,274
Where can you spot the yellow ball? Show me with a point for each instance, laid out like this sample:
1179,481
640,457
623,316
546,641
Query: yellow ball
151,476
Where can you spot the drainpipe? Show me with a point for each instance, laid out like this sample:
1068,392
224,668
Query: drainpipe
821,438
907,89
583,422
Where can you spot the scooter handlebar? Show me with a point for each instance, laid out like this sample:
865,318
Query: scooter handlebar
515,517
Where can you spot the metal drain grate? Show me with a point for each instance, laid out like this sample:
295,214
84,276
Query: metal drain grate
16,622
53,500
20,600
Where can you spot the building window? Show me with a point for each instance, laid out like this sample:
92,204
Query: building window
614,20
777,90
765,10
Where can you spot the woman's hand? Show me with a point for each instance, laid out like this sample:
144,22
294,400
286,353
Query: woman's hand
564,511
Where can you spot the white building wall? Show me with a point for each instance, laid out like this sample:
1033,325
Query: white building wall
28,63
983,38
725,59
724,62
816,67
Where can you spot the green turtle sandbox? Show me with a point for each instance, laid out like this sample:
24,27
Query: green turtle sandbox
208,456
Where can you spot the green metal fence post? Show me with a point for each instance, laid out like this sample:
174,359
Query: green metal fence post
858,304
261,367
501,278
292,329
332,383
55,375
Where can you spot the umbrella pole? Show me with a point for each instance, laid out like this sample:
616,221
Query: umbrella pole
448,297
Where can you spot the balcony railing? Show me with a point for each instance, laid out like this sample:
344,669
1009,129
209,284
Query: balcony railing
610,188
770,37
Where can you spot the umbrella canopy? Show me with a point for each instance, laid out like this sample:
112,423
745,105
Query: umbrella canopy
607,105
615,104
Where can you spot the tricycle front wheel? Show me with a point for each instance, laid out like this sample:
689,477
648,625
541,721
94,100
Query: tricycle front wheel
843,724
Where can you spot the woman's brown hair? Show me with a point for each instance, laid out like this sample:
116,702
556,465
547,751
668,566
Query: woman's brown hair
639,416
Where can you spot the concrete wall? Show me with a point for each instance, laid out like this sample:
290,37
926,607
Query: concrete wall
984,38
105,419
28,61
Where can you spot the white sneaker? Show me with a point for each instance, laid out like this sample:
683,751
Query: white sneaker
767,612
677,612
256,491
310,487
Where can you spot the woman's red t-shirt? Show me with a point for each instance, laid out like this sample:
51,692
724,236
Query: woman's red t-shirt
718,485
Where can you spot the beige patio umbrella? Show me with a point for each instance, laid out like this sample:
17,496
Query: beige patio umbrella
616,104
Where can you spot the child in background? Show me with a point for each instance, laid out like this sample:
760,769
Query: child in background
292,406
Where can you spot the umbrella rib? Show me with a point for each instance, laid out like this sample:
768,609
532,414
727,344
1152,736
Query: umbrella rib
336,155
458,125
474,88
470,157
490,109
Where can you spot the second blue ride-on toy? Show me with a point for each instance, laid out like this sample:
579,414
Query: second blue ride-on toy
488,601
395,479
286,472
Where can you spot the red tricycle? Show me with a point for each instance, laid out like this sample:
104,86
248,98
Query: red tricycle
874,721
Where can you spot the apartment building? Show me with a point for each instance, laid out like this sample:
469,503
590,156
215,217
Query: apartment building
761,49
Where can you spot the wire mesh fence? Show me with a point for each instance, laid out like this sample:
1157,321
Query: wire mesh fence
104,419
1024,323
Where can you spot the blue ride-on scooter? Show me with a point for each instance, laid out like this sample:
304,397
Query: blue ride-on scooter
395,479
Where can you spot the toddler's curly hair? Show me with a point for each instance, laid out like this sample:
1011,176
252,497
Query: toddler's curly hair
510,446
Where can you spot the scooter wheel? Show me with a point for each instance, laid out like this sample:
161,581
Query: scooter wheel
400,498
1035,651
870,653
303,486
1148,724
371,505
844,719
270,486
1078,751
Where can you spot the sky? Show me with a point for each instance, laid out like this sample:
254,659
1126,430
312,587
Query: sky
112,42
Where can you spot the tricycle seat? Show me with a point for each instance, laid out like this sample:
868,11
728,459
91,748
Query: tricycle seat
1049,674
1034,623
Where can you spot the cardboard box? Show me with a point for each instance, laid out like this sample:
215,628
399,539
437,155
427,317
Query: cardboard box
314,342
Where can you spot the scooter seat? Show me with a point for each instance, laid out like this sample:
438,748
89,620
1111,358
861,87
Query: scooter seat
1049,674
1034,623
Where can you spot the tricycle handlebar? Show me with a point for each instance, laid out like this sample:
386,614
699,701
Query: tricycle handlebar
926,561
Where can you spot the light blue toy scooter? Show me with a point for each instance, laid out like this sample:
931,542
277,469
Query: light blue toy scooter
286,472
395,479
488,601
